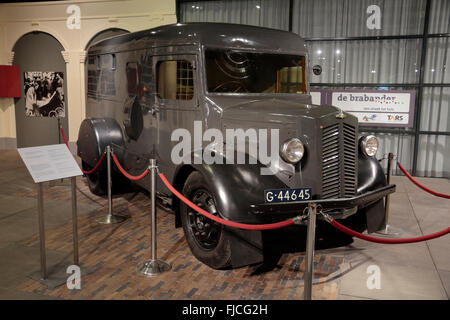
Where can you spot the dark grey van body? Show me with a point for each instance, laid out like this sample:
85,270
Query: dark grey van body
139,127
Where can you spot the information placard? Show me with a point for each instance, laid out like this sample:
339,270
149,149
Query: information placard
51,162
377,107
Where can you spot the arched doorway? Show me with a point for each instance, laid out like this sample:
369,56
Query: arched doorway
42,67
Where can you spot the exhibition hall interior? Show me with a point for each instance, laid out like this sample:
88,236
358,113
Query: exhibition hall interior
241,150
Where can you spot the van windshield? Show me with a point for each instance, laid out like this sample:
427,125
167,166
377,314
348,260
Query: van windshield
231,71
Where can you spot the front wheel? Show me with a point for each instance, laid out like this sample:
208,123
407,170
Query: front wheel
207,239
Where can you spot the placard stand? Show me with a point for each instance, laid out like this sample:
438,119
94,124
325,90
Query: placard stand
47,164
57,277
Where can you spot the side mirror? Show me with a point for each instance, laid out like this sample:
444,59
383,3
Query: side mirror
317,69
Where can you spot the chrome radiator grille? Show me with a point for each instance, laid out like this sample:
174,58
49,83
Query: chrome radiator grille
350,158
339,158
331,185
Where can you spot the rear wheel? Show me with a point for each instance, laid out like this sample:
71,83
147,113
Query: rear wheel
207,239
97,181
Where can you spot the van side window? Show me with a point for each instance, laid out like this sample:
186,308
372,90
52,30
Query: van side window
134,73
175,80
93,77
113,62
101,76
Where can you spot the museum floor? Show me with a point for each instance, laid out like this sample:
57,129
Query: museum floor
113,253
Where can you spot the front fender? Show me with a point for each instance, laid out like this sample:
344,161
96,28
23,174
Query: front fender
370,174
235,187
370,177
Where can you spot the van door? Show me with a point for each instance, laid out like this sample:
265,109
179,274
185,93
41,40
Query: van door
139,125
176,103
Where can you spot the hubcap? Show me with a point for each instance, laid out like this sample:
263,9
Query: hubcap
206,232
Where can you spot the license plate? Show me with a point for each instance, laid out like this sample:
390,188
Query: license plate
287,195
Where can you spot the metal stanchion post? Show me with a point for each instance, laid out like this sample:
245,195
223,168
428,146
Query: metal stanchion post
42,230
74,221
110,218
388,180
53,183
387,229
309,261
59,130
154,266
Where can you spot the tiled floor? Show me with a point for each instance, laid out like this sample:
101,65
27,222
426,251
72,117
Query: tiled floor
410,271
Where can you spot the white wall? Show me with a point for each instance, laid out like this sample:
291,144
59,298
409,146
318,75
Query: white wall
18,19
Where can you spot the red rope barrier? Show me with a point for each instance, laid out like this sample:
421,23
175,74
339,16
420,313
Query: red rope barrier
99,160
126,174
437,194
353,233
96,166
244,226
281,224
64,137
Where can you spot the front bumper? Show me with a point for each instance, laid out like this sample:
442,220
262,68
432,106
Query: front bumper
359,201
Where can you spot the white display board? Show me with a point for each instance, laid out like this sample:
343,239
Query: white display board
380,107
52,162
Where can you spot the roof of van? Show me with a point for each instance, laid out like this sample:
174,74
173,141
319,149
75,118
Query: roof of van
217,35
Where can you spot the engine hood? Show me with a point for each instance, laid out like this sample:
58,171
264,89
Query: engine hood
291,118
276,111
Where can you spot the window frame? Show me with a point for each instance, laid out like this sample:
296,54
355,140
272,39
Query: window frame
179,104
304,54
139,89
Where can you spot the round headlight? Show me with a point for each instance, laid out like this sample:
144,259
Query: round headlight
369,145
292,150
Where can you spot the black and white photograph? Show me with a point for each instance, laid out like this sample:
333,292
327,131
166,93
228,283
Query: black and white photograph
44,94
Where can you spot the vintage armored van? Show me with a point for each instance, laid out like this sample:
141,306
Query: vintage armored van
145,85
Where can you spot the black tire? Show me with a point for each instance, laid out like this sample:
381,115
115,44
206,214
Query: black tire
208,240
97,181
356,222
335,237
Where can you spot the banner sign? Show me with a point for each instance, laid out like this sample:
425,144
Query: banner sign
9,82
391,108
